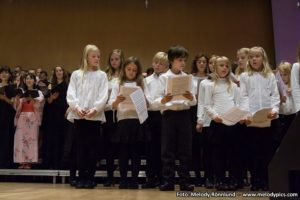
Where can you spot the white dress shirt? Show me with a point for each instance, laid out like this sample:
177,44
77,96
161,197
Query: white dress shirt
151,90
295,85
111,83
219,97
87,90
258,92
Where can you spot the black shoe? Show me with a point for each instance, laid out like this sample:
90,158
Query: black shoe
167,187
90,185
186,187
123,185
265,188
199,182
150,183
73,183
109,183
133,185
80,185
254,188
209,184
222,187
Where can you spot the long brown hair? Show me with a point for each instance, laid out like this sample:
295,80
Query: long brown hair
54,78
110,71
138,78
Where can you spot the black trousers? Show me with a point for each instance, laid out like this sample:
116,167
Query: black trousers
69,153
260,153
224,139
129,151
110,150
207,152
176,141
87,140
153,148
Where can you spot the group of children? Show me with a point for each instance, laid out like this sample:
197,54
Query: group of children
103,123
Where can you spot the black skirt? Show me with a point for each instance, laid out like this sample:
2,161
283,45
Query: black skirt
130,131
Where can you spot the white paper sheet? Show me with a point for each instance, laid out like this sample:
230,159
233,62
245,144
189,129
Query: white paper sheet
127,104
177,86
139,102
260,118
234,115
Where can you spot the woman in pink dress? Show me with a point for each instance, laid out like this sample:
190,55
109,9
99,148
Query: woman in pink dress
27,121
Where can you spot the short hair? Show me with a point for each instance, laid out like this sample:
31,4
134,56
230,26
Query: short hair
161,57
177,51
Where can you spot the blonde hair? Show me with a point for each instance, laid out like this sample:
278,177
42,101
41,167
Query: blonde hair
214,76
87,49
110,71
161,57
245,51
285,67
266,69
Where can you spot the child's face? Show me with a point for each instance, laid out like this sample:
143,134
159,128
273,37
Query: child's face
115,61
211,64
222,68
159,66
93,59
201,64
256,60
242,59
131,71
59,73
29,82
4,76
285,77
178,64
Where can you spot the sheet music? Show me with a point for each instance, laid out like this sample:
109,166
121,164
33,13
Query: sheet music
177,86
127,104
234,115
139,102
260,118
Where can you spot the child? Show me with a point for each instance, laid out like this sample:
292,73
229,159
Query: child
295,81
27,121
87,95
6,118
259,90
242,59
151,84
176,125
56,124
129,132
199,72
221,94
115,63
287,109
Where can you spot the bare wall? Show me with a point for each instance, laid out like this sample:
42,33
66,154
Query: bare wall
51,32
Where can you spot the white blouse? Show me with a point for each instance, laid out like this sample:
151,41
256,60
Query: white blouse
87,90
111,83
151,90
219,97
258,92
295,85
161,93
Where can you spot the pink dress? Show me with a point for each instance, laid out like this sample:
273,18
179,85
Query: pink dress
27,122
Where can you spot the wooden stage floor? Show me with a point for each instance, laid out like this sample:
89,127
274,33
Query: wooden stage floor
45,191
